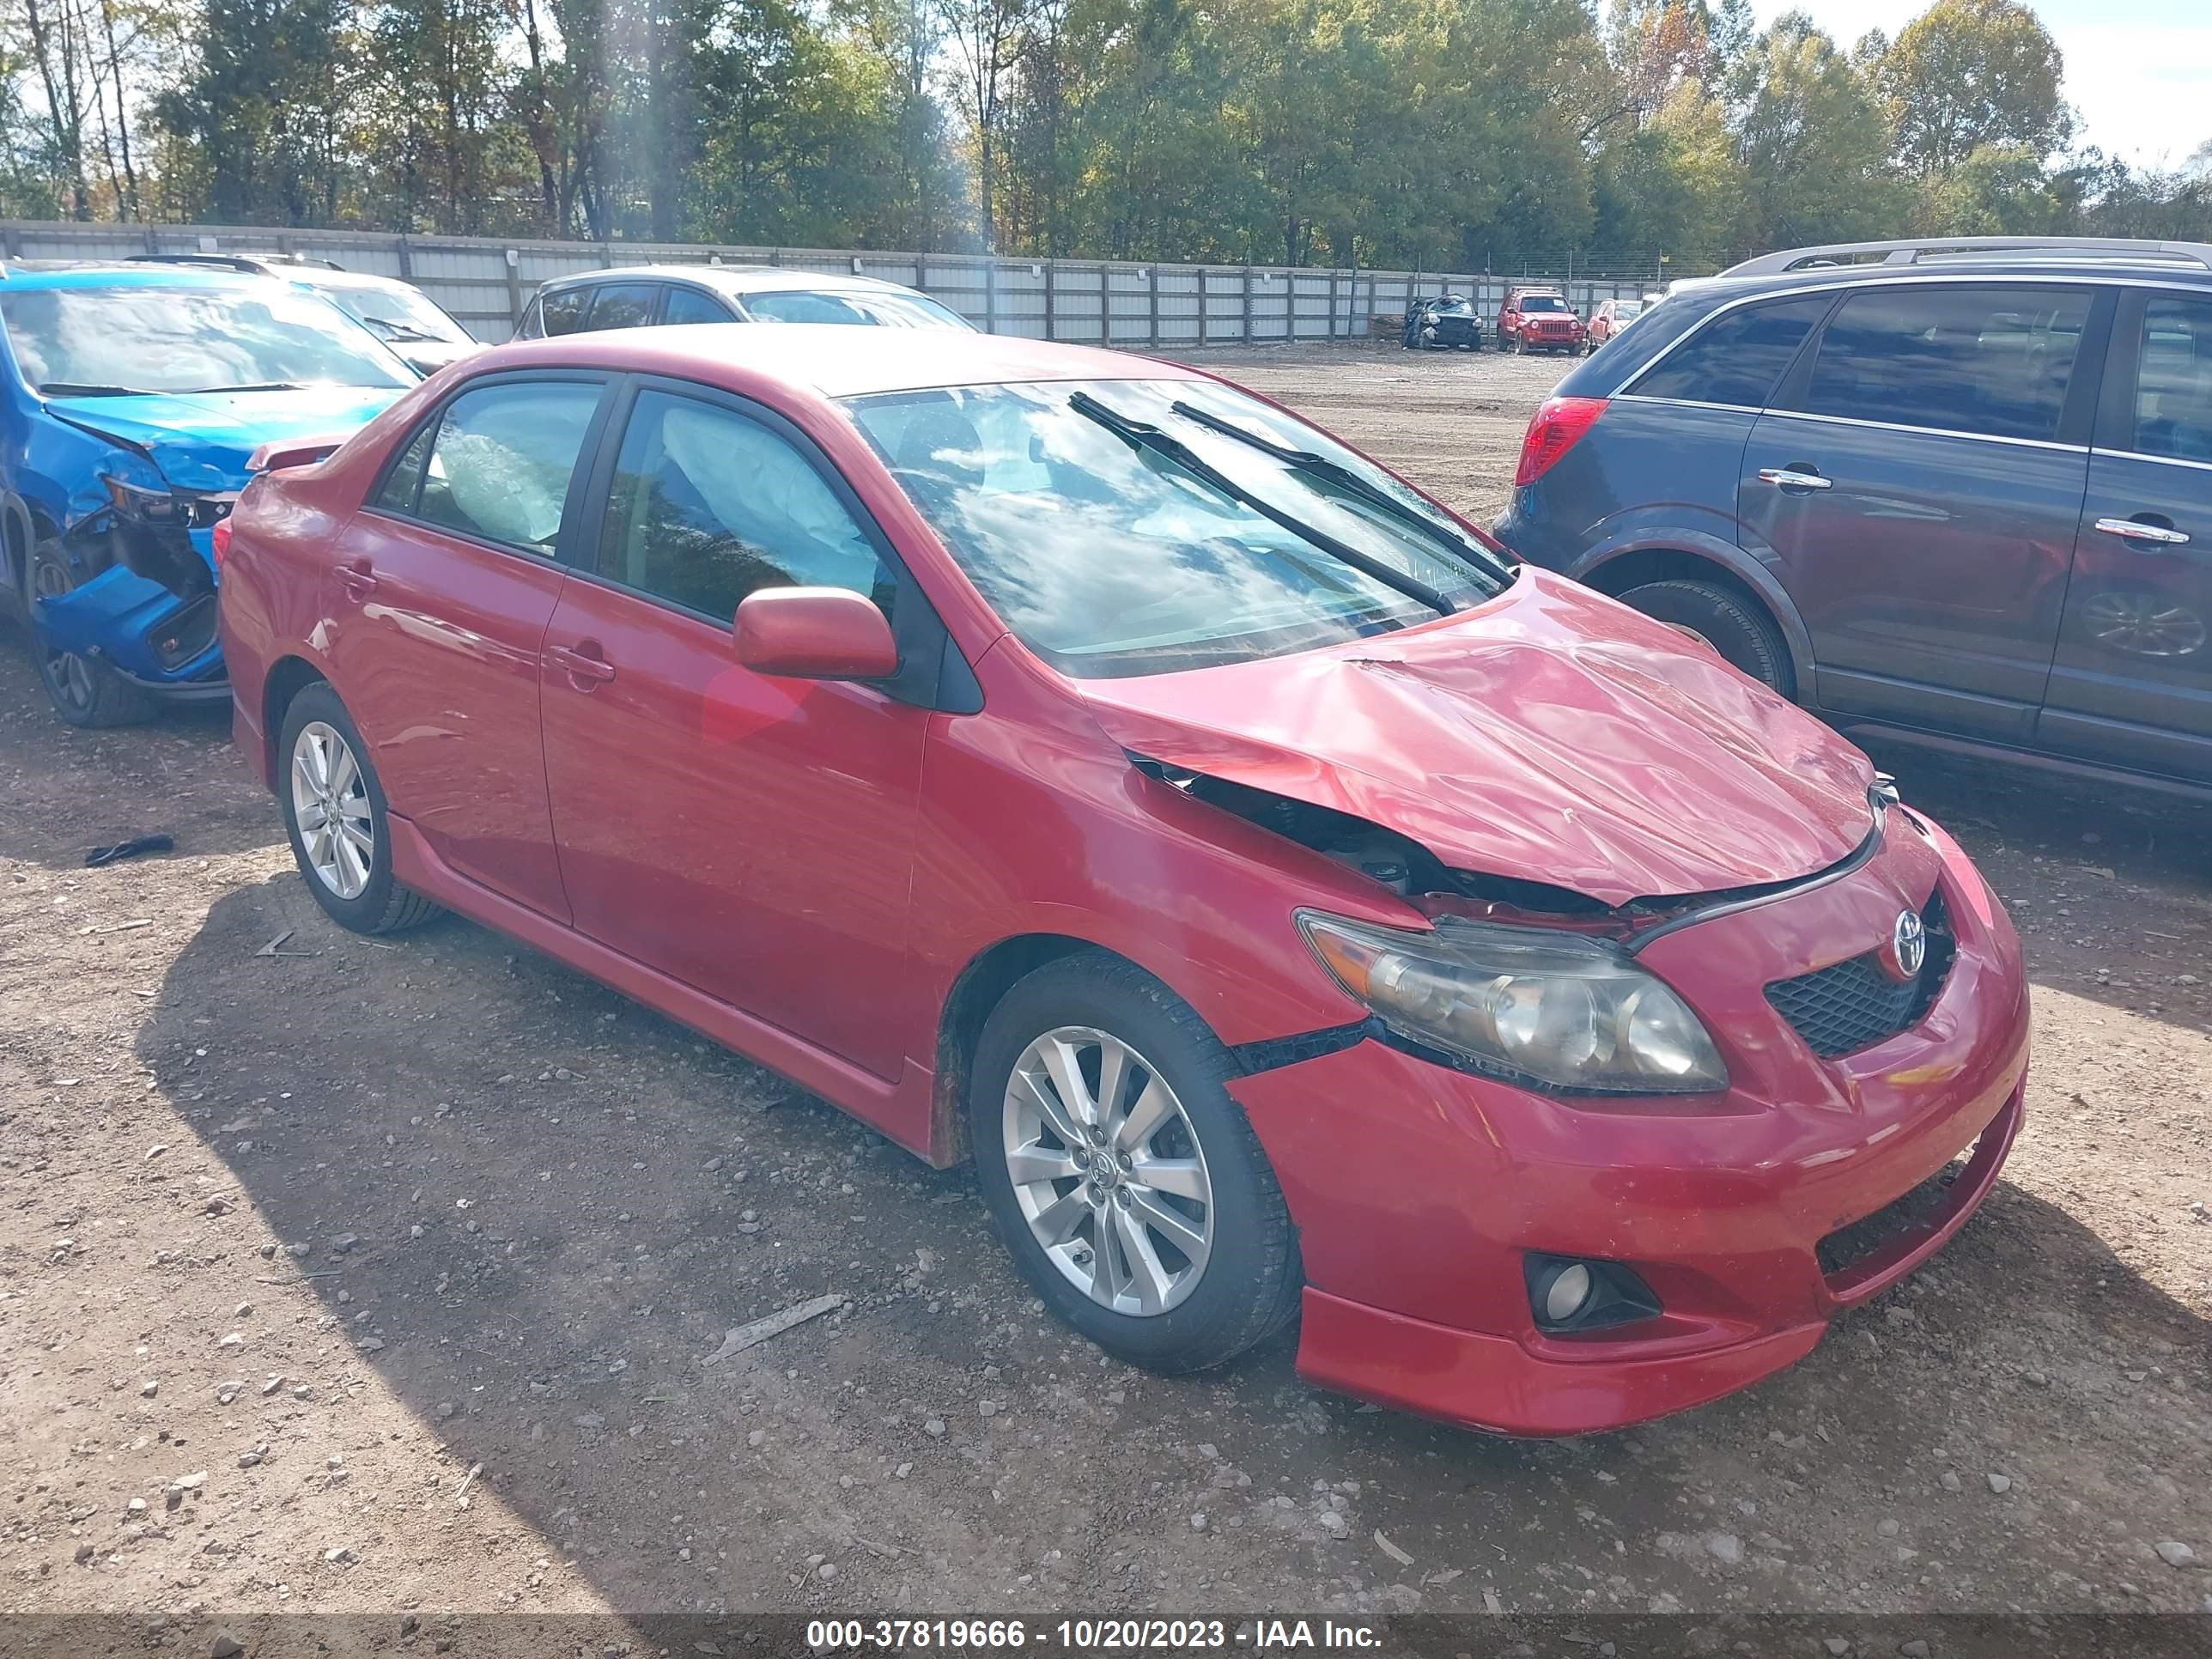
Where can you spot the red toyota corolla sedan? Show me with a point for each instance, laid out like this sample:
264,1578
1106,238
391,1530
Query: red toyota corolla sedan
1069,761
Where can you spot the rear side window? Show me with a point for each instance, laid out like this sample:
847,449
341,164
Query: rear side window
532,326
563,312
1736,358
687,305
500,465
1990,361
624,304
2174,384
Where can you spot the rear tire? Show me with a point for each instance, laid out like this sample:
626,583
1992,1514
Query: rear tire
1066,1020
84,691
333,803
1738,629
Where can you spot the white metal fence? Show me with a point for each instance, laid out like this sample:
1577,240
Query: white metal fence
486,282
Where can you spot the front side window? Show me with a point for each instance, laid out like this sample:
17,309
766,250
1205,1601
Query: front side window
624,304
1994,361
1736,358
687,305
563,312
500,465
707,507
2174,384
1109,558
111,341
881,309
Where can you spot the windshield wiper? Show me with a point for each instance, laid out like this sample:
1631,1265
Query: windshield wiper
1142,434
1304,460
405,330
257,385
79,389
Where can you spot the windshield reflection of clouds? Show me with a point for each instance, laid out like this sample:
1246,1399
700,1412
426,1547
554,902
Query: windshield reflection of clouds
1108,560
176,339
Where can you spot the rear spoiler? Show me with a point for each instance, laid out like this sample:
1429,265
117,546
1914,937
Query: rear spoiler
295,452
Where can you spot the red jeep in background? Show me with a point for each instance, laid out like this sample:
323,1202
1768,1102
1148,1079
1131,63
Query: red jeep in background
1538,320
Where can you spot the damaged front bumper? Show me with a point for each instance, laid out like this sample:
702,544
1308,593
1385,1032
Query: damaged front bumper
147,611
1753,1215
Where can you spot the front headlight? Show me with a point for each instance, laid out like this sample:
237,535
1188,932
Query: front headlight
1558,1009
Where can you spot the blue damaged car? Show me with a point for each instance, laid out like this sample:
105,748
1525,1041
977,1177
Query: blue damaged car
131,401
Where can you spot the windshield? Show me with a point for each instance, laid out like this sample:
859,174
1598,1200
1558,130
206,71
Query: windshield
882,308
1110,559
1624,309
396,313
139,339
1542,302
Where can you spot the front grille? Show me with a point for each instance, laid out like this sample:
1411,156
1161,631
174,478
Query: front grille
1919,1211
1849,1006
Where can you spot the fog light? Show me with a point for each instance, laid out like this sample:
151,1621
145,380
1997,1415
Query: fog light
1567,1293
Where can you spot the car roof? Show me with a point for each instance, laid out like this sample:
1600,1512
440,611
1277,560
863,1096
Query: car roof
730,279
832,360
17,277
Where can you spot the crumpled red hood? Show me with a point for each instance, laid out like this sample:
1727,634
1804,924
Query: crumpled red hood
1553,735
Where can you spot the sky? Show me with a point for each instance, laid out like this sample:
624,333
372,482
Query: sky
2139,72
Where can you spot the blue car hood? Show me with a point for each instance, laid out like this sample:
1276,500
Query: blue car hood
201,441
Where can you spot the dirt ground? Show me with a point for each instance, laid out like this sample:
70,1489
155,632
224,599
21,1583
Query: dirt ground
360,1276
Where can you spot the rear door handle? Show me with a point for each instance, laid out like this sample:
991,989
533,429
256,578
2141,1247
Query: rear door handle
356,579
1789,477
582,663
2135,529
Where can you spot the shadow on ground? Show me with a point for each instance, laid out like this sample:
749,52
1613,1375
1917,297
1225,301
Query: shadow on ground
561,1202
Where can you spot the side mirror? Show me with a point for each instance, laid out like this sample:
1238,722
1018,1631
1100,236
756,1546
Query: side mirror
814,634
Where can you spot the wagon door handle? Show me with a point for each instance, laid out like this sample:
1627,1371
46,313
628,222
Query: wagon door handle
582,663
2142,529
1795,477
356,579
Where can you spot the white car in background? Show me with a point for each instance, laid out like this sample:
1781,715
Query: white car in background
417,327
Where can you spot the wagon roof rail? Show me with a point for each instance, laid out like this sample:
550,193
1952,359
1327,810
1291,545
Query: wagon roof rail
1915,251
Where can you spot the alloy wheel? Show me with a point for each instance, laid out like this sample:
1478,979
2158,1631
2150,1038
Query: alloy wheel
67,673
1108,1171
330,802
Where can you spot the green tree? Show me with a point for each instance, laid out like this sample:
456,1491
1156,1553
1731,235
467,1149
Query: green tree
1967,73
1811,142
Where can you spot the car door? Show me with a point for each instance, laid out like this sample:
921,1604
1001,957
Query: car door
442,587
2131,684
1915,487
749,837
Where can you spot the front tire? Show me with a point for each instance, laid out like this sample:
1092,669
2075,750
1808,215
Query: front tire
1125,1182
1733,626
335,815
84,691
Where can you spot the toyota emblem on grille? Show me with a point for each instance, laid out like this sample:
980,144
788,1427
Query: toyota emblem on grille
1908,946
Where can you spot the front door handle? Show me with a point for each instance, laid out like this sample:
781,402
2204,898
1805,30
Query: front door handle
1794,478
582,663
2156,536
356,579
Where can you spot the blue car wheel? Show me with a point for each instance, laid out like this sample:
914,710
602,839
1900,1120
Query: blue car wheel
84,692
